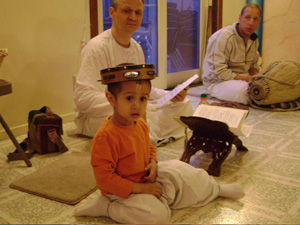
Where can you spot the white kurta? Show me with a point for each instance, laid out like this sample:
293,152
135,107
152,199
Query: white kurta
227,56
92,107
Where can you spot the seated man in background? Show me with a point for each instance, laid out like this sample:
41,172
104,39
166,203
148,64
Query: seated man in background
109,49
231,57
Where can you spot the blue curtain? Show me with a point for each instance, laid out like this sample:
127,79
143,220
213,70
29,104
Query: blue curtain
259,30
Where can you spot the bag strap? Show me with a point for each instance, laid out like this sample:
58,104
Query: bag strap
27,148
47,110
56,139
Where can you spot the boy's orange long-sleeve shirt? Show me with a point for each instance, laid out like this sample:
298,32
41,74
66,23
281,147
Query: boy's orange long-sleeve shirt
119,155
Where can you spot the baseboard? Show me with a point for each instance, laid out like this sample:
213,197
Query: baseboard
23,129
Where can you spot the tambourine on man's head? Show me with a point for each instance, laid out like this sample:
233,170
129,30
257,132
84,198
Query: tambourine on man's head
128,72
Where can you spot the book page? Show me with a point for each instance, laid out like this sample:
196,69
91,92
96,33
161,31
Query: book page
167,97
232,117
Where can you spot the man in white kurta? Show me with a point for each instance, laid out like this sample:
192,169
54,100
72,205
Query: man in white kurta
109,49
232,58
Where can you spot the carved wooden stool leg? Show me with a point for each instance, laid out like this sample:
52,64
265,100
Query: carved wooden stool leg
185,157
239,144
219,157
189,151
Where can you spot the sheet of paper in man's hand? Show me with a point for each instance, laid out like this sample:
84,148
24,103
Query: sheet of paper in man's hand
163,100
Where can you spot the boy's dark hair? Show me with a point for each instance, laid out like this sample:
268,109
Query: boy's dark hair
115,3
251,5
115,88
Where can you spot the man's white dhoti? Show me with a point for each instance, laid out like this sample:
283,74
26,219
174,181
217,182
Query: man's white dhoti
231,90
161,122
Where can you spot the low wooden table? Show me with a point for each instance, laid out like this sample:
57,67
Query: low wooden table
5,89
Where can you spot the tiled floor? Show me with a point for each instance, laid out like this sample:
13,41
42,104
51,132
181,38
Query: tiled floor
269,173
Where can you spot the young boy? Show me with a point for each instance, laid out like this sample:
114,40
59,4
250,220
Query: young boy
134,187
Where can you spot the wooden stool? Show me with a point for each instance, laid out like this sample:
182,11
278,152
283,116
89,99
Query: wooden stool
5,88
210,136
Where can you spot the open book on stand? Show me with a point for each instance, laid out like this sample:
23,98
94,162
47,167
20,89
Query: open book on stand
233,117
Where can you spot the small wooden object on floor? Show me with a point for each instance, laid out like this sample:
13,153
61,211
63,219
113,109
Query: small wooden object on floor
5,88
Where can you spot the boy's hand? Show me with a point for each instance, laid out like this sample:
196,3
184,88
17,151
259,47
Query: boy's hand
147,188
152,171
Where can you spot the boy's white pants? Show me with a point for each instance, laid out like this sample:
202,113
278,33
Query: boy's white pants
183,186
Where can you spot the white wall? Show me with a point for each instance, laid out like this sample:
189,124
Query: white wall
231,11
281,31
43,41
